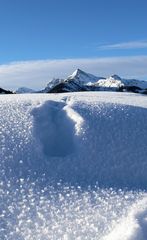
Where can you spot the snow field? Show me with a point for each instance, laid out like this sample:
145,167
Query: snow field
73,166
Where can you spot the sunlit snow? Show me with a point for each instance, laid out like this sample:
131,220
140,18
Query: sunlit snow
73,166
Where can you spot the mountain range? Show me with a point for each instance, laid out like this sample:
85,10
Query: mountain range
82,81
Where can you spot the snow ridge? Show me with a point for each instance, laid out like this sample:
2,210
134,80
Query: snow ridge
72,114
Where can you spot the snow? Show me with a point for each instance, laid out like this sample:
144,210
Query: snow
73,166
109,83
113,81
73,115
134,225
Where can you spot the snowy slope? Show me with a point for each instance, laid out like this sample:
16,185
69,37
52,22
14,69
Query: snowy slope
73,166
52,84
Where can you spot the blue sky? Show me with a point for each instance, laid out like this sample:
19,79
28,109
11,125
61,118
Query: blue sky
43,31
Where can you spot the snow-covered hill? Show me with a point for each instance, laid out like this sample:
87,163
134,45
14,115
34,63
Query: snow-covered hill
73,166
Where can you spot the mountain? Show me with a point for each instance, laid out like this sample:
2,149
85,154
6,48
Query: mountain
3,91
78,81
82,77
25,90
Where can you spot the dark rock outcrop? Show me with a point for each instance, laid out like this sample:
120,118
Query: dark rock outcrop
3,91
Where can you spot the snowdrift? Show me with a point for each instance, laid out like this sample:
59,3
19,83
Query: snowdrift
73,166
109,146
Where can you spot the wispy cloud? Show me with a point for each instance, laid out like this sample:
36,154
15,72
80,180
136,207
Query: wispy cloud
125,45
36,74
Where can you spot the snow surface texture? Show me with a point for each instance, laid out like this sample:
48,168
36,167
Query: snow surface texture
73,166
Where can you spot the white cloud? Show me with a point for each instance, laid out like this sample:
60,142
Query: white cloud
36,74
125,45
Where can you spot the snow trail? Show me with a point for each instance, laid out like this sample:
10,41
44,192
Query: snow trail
56,125
54,130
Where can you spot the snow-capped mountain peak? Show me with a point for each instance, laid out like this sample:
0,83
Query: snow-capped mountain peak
82,77
76,73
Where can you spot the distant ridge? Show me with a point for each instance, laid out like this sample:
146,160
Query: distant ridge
25,90
83,81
